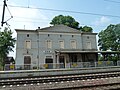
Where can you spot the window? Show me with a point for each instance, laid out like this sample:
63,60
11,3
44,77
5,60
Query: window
88,45
73,44
61,43
49,44
72,35
87,37
60,35
28,44
27,35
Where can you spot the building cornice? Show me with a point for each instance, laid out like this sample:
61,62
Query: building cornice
25,30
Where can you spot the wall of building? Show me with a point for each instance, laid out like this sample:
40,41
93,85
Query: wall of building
55,38
39,51
22,51
89,38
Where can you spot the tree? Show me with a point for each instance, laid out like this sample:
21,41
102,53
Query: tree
6,44
87,29
109,39
69,21
65,20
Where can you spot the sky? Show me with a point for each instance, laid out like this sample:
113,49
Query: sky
31,14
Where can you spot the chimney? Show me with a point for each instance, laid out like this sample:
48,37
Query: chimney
38,27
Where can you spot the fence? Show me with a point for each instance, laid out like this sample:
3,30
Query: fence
61,65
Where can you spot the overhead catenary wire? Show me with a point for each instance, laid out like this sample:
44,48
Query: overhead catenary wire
58,10
30,18
3,21
81,24
9,12
28,3
112,1
38,20
31,21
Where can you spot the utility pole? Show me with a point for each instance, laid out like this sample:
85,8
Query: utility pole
3,12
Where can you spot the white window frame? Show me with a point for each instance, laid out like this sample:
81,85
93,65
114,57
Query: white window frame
73,45
88,45
61,44
49,44
27,44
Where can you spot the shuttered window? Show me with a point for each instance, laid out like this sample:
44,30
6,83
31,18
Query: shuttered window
49,44
73,44
88,45
61,43
28,44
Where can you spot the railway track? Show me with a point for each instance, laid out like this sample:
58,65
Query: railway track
60,79
115,86
56,79
56,72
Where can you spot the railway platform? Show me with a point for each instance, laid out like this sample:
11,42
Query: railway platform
61,79
55,72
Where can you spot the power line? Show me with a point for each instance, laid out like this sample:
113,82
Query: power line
9,12
30,21
35,20
28,3
57,10
4,6
81,24
112,1
30,18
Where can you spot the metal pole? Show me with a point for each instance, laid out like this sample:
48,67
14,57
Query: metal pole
3,12
38,51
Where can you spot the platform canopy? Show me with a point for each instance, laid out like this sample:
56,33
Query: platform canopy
85,51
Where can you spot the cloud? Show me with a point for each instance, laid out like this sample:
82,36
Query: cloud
102,21
24,18
29,18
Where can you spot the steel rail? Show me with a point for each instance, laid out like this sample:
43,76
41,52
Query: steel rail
34,80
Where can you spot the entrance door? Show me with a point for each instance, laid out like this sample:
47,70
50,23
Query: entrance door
27,62
49,62
62,61
73,60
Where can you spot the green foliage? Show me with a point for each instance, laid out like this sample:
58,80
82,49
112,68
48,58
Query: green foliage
109,39
100,58
87,29
6,44
66,20
69,21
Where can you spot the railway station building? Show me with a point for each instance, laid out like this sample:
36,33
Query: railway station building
55,46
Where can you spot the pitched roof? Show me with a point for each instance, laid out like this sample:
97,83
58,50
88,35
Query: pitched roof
59,28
